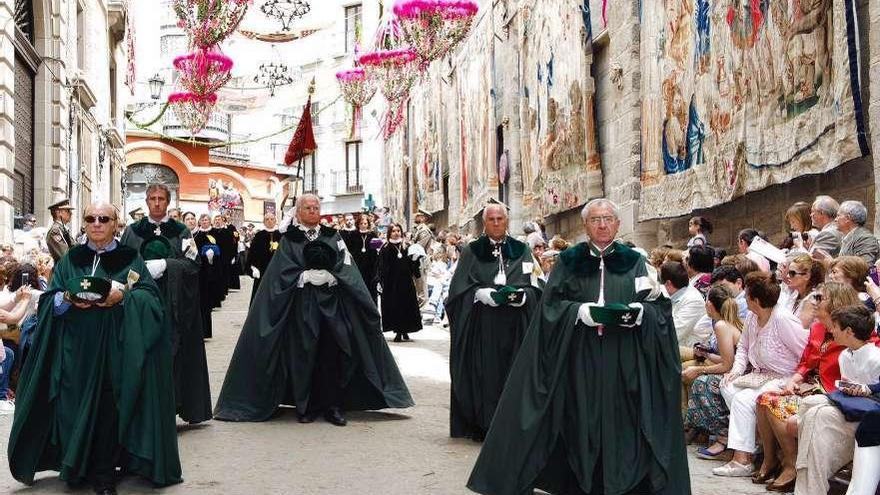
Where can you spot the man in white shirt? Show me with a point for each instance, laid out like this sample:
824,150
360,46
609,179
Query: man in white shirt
688,306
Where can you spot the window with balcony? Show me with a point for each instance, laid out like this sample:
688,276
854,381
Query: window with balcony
310,183
353,15
353,167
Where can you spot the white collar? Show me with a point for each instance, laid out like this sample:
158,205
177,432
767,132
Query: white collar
154,222
396,241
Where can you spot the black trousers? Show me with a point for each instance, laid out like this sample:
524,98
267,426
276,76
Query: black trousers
327,376
105,452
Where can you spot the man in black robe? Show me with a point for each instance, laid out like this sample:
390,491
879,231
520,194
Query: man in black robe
592,404
234,260
486,334
263,247
177,276
312,337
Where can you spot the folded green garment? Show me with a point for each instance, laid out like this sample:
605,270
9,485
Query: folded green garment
614,314
508,295
88,289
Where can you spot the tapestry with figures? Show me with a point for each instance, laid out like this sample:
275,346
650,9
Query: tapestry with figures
471,157
394,175
740,95
428,108
560,162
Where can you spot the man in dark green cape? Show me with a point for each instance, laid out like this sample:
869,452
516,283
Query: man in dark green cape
592,402
485,333
177,274
95,392
312,338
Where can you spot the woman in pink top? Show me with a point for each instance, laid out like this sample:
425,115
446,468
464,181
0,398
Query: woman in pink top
769,351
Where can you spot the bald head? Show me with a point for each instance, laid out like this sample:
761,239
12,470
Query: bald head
100,220
308,210
495,221
101,208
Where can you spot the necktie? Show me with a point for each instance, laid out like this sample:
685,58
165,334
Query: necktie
312,234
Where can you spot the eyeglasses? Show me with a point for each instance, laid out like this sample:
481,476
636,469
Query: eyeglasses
102,219
792,273
600,220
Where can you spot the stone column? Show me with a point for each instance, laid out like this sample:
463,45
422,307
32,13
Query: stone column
7,119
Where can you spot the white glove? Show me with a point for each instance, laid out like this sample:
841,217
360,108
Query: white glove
525,296
379,288
316,277
210,255
156,268
485,296
584,314
255,271
638,317
232,261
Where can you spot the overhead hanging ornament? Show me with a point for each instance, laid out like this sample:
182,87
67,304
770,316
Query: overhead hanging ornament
193,110
285,11
209,22
395,72
434,27
203,72
357,89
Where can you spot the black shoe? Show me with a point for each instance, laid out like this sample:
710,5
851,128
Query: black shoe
106,490
406,337
398,338
334,416
308,418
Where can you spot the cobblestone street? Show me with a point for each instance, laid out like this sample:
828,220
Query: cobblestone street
390,453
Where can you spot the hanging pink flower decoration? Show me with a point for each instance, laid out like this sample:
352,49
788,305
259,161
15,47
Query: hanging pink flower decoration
395,71
209,22
358,89
203,72
193,110
434,27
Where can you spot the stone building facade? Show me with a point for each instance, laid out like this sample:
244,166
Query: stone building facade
617,81
63,68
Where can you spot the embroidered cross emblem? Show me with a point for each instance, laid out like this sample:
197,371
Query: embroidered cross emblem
85,284
626,318
511,298
273,245
158,230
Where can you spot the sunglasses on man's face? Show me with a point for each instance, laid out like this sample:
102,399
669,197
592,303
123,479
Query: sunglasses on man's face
793,274
102,219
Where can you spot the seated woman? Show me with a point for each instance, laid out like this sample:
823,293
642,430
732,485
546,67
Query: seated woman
852,271
768,353
706,411
803,276
816,373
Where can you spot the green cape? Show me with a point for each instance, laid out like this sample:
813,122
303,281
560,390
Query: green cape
179,288
276,351
485,340
584,413
60,384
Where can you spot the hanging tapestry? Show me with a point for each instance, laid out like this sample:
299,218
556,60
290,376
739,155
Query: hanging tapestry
560,162
472,160
394,175
427,109
743,94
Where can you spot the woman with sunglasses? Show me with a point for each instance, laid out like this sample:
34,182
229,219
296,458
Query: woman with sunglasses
804,274
816,373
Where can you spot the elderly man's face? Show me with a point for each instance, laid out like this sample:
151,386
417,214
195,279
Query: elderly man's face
309,212
100,224
496,223
269,220
601,225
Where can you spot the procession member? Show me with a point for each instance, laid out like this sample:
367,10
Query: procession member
312,338
592,404
422,236
58,238
211,275
226,243
492,296
263,246
234,260
361,243
173,263
397,270
105,401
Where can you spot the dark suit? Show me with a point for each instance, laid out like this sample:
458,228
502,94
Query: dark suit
860,242
58,240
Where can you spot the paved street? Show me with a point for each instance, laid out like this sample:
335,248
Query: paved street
399,453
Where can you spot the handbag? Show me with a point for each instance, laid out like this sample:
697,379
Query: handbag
854,408
753,380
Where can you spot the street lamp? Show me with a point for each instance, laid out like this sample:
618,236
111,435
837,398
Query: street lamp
156,83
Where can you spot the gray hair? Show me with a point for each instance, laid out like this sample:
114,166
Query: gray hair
494,205
600,202
856,211
160,187
826,205
300,200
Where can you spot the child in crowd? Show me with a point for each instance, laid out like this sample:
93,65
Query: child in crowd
439,276
860,372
